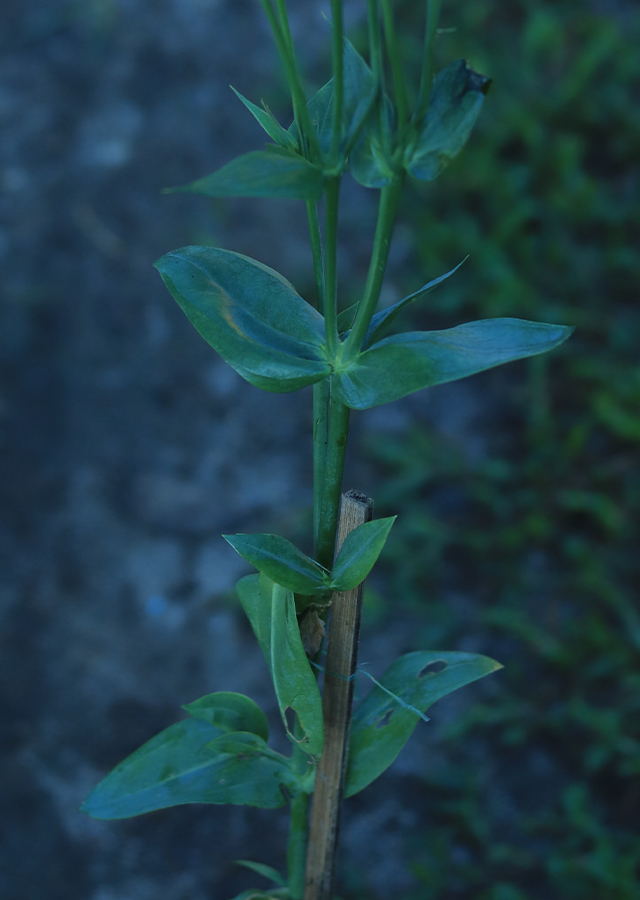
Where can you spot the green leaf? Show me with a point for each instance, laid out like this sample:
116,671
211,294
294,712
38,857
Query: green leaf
381,321
273,172
457,95
346,318
230,712
272,613
191,762
265,871
250,314
370,162
359,552
359,94
268,121
381,726
281,561
403,363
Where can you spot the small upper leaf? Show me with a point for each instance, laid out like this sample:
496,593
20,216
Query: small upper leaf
403,363
359,94
370,162
268,121
272,613
381,726
457,95
250,314
359,552
273,172
281,561
381,321
229,712
191,762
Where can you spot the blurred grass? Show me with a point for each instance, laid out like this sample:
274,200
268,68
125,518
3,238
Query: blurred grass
541,531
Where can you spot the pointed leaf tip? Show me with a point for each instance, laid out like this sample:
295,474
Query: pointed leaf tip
273,172
359,553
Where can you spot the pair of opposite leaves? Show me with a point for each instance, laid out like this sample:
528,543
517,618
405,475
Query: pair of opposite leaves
220,754
262,328
282,170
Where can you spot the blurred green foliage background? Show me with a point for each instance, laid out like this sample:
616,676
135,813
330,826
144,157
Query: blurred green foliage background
542,529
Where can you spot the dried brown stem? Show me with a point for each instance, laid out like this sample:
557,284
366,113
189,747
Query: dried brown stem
337,701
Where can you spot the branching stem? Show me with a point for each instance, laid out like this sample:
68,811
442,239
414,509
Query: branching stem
389,200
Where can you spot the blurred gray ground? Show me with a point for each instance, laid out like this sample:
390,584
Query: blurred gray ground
128,446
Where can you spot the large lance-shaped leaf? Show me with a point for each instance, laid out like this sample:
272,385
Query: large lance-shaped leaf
229,712
359,91
272,172
250,314
457,95
191,762
381,725
403,363
281,561
359,552
272,612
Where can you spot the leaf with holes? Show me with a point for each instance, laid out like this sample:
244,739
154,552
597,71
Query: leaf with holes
229,712
381,726
272,612
281,561
359,552
457,95
250,315
191,762
272,172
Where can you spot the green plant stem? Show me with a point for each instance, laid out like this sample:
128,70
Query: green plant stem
316,250
422,104
399,86
321,388
338,79
320,436
299,823
375,44
284,44
297,847
389,200
331,267
337,435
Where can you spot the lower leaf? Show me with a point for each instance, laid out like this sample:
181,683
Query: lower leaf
272,612
381,726
192,762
